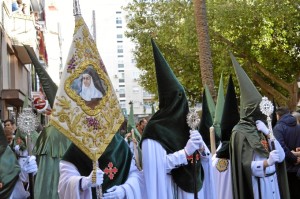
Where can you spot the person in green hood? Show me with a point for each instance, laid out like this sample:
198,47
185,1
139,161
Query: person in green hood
254,174
168,144
12,174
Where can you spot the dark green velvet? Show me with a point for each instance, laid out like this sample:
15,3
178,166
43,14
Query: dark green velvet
116,152
9,172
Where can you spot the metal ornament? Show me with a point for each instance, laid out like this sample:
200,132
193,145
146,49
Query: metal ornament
193,119
27,121
267,108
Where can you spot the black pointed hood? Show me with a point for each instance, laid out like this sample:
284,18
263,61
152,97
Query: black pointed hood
229,119
206,120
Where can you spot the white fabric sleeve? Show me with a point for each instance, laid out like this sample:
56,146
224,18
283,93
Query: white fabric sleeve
280,150
257,168
68,186
134,185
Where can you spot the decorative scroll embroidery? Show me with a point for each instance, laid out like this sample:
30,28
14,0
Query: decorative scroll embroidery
222,165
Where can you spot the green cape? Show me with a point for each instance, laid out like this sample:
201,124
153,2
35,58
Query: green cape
9,167
245,140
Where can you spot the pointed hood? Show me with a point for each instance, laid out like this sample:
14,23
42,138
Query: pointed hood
249,95
230,118
49,86
131,124
219,108
206,119
166,80
168,125
249,110
274,118
210,102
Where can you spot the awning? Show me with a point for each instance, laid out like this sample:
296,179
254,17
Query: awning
13,96
22,54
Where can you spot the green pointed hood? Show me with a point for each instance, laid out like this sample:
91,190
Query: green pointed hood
210,102
3,141
49,86
166,80
152,109
206,119
230,118
131,124
249,95
168,125
249,110
26,102
219,108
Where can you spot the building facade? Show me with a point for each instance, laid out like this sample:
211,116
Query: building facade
19,25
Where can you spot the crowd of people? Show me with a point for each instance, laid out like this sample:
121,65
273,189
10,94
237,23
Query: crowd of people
245,164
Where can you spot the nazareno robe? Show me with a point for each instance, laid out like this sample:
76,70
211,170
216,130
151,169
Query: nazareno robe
117,155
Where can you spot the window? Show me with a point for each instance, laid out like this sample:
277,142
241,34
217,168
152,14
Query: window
119,36
120,56
119,26
123,103
136,89
120,48
118,20
120,65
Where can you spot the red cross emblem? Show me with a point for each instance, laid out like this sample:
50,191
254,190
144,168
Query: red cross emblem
110,171
190,158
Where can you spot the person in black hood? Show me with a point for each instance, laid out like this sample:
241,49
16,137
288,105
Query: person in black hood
287,132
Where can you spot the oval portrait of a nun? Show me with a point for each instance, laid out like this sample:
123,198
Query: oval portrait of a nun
90,87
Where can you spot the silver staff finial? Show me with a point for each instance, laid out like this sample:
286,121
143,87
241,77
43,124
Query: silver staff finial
193,119
267,108
76,8
27,121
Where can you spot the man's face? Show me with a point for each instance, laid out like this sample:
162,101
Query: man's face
86,80
143,124
8,125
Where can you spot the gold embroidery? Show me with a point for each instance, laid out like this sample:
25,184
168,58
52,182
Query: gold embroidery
90,127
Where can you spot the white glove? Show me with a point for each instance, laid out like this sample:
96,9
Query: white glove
262,127
17,148
273,157
30,165
115,192
87,182
194,143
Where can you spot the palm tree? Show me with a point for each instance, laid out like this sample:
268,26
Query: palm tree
206,67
